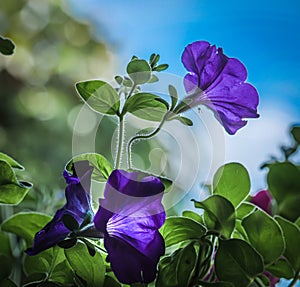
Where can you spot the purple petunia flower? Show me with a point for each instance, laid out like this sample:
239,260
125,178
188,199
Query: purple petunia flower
78,206
129,217
218,82
263,199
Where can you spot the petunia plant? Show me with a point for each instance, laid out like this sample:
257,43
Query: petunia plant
230,238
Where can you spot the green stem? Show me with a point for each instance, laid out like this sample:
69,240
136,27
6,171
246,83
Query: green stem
120,142
259,282
131,91
142,137
295,279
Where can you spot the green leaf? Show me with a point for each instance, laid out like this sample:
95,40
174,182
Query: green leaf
102,167
139,71
99,96
70,222
67,243
40,263
284,184
110,282
26,225
154,58
265,235
146,106
237,262
281,269
239,231
219,214
216,284
244,209
91,269
161,67
232,182
174,96
184,120
119,79
295,132
5,266
153,79
177,270
178,229
193,215
5,244
10,161
6,46
12,191
8,283
291,234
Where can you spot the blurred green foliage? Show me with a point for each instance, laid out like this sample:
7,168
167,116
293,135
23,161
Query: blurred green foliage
38,100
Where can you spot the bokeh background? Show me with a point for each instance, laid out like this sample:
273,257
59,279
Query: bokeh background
62,42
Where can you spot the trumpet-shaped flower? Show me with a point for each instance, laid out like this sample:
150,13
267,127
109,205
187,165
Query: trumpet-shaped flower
129,217
78,206
218,82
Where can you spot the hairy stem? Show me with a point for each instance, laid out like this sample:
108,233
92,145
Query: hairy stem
120,142
142,137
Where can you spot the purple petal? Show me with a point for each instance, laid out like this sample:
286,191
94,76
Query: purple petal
129,216
78,206
220,81
263,199
192,53
54,232
129,265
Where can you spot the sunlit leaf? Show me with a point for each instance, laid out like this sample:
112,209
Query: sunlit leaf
146,106
102,167
232,182
12,191
10,161
91,269
139,71
26,224
99,96
219,214
178,229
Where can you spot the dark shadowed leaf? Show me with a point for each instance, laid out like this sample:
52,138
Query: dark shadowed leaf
6,46
291,234
295,132
284,185
260,229
281,269
177,270
237,262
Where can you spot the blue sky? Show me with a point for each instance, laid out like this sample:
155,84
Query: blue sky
264,35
